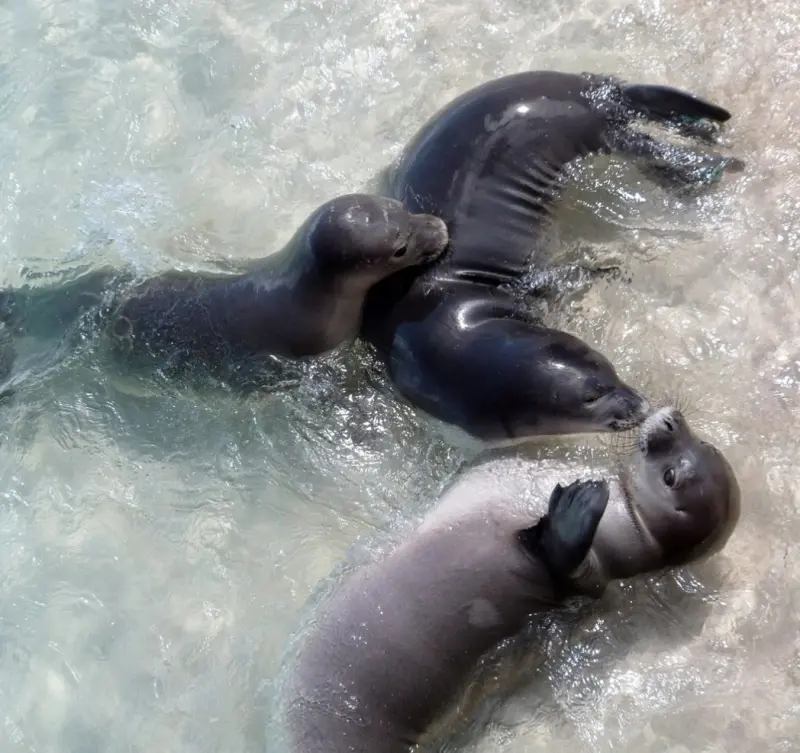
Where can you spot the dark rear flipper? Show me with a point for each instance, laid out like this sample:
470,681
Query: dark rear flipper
664,103
689,115
672,164
562,538
48,310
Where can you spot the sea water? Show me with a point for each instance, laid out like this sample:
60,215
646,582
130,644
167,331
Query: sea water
158,546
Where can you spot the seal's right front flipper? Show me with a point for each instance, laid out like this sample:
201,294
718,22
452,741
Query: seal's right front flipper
563,537
690,114
565,282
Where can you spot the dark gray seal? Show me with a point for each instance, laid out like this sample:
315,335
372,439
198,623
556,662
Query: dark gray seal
305,300
395,643
455,340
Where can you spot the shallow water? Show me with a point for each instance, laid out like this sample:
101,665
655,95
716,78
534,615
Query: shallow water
158,547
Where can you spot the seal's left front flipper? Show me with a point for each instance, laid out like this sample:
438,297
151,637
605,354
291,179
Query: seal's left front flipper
563,537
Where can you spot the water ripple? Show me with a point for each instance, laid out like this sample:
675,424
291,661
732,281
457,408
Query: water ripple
158,546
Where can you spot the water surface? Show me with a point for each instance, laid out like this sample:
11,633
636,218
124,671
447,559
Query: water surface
158,546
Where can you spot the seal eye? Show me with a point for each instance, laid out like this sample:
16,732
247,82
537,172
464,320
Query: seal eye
669,477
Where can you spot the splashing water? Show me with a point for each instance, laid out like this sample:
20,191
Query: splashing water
158,546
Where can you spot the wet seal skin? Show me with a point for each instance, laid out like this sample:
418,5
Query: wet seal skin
303,301
454,338
389,650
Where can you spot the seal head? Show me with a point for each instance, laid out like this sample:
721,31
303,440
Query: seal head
679,503
367,238
686,492
574,388
484,367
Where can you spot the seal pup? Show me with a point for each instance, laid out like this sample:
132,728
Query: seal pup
456,341
302,301
391,648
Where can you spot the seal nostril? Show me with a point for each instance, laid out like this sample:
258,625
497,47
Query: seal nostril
400,253
670,426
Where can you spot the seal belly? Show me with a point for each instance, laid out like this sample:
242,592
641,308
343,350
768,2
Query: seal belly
506,202
490,165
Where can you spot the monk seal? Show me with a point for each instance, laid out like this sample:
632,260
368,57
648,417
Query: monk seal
455,340
396,641
302,301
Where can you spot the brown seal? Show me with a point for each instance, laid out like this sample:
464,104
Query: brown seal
394,644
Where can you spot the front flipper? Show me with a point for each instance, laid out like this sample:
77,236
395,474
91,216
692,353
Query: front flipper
671,163
565,282
563,537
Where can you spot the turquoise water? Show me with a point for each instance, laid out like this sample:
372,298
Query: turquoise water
158,547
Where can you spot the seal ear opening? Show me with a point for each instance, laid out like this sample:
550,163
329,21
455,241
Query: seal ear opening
668,104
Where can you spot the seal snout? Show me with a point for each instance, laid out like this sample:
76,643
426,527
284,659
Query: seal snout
429,236
631,409
661,430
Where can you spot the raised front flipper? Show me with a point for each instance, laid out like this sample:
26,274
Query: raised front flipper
561,539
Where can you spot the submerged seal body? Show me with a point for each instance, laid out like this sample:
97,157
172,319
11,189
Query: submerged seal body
491,163
305,300
395,643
